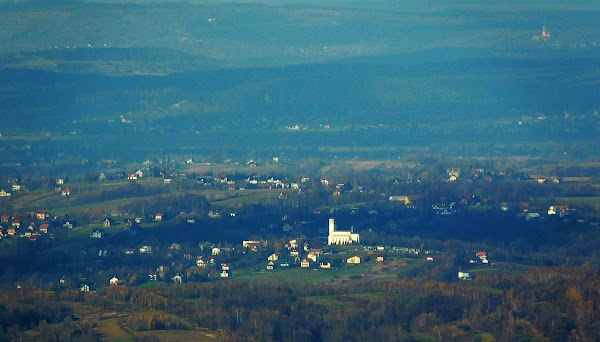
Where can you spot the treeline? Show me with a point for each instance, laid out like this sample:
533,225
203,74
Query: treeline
554,303
547,303
152,321
25,309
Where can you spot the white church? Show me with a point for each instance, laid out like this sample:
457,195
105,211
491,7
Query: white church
341,237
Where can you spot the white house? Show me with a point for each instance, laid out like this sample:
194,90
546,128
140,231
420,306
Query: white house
353,260
270,265
114,281
41,214
325,265
97,234
216,251
214,214
293,244
224,274
341,237
313,254
146,249
273,257
403,199
44,228
464,275
305,263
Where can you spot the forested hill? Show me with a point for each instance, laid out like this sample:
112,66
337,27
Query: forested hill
418,87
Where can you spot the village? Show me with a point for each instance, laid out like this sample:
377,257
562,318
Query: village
157,226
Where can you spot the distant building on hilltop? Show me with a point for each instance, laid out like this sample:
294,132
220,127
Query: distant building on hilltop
544,36
545,32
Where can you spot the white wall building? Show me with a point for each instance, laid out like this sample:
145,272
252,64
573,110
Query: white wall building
464,275
341,237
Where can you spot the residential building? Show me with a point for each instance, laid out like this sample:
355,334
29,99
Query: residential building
353,260
97,233
464,275
403,199
146,249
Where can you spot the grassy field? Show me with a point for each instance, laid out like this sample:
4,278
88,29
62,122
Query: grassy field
485,337
335,302
149,284
481,208
489,290
370,270
103,206
594,201
300,275
24,199
411,264
348,302
179,335
109,329
58,204
48,199
250,196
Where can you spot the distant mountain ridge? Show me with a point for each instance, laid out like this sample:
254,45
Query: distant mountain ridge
413,89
